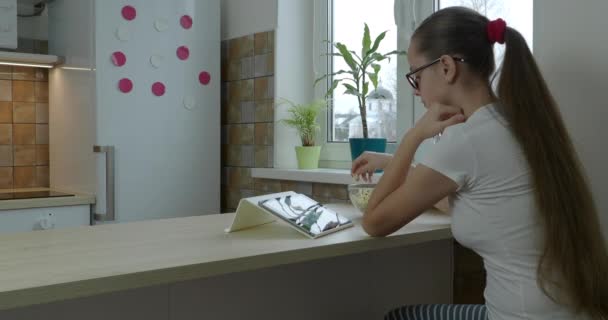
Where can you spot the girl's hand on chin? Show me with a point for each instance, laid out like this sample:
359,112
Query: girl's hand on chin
436,119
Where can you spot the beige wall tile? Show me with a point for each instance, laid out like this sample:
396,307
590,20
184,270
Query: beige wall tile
24,73
6,156
6,72
42,113
245,46
264,134
6,134
247,134
271,41
240,134
6,90
6,112
247,156
24,134
24,112
234,70
267,185
42,155
42,74
24,177
42,134
247,90
25,155
297,186
233,198
336,191
6,177
233,156
261,88
233,92
42,177
24,91
234,112
270,63
240,178
260,41
264,111
42,92
234,49
261,157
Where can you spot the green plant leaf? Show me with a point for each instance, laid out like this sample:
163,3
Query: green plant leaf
365,89
333,74
348,58
374,78
396,52
367,41
377,42
376,68
333,87
303,117
351,90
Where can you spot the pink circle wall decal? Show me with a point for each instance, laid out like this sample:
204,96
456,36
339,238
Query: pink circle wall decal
129,12
186,21
119,59
158,88
125,85
204,78
183,53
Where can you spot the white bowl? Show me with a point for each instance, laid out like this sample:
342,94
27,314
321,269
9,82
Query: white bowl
359,194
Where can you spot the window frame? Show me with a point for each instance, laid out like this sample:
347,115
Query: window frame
336,154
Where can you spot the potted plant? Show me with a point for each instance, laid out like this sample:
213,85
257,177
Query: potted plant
362,69
303,118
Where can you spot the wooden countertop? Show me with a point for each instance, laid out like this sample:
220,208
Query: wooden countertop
77,199
53,265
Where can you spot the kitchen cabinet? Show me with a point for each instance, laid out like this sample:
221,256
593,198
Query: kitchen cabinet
29,219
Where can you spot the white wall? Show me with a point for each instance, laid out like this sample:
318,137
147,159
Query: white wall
571,48
294,76
243,17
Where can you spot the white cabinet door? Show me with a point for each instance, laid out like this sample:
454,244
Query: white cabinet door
20,220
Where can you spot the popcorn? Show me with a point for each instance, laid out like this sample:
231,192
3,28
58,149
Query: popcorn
359,195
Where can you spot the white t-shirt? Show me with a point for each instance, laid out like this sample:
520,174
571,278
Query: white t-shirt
494,213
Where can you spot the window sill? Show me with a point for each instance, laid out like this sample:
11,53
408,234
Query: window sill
321,175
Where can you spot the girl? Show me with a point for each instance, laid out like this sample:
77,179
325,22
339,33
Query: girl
518,194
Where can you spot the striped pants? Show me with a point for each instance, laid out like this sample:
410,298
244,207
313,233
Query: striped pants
439,312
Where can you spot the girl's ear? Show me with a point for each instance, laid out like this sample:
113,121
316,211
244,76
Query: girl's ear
449,70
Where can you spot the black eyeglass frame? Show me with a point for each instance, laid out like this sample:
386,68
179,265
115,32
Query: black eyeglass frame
410,75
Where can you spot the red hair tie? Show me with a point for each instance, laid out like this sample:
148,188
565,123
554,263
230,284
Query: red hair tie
496,31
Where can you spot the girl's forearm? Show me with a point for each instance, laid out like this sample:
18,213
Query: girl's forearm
397,170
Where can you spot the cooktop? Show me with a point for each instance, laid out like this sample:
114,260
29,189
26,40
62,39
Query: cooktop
33,194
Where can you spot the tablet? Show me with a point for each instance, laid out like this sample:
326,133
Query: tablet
305,214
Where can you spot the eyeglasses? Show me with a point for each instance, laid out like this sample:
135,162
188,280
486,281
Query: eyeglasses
410,75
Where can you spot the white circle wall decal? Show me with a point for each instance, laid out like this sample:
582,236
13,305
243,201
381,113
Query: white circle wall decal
156,61
189,102
123,33
161,24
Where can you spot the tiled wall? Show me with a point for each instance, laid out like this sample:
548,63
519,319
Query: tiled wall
24,129
248,124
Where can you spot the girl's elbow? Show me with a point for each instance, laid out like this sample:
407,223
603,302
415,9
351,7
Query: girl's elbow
373,226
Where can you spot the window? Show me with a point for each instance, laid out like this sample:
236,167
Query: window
342,20
348,18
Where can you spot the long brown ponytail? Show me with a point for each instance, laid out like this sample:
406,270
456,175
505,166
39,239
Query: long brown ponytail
574,250
573,268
